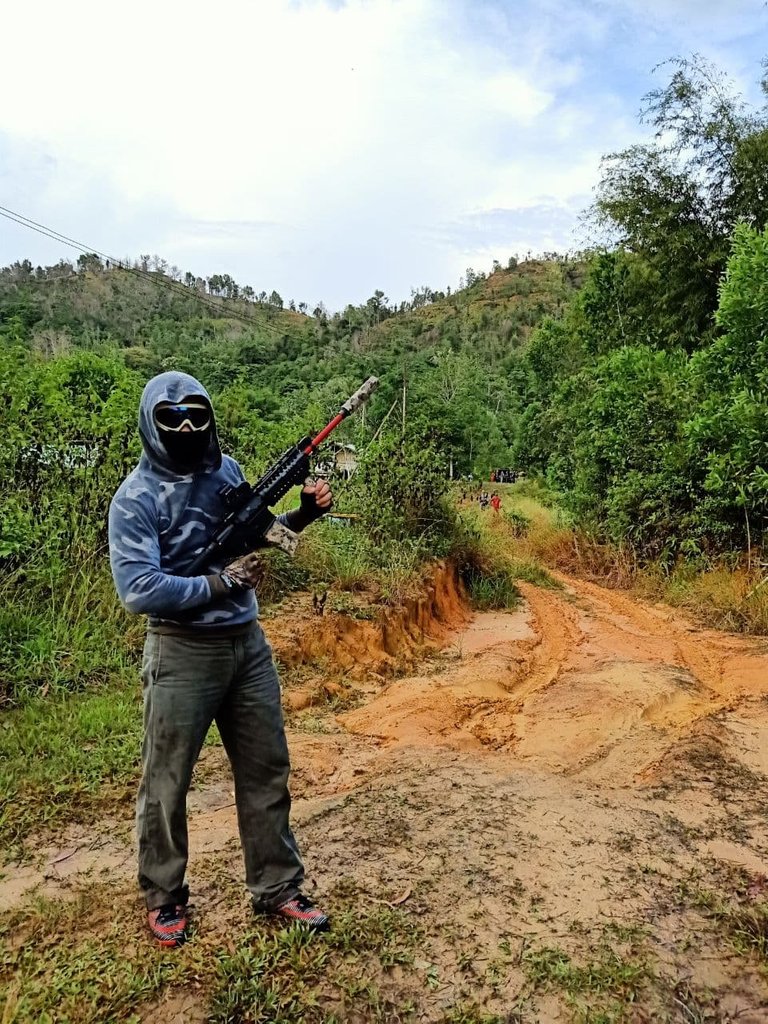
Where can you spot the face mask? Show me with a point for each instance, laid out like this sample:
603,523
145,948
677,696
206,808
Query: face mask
185,431
186,449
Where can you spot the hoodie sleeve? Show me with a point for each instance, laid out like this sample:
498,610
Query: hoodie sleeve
134,554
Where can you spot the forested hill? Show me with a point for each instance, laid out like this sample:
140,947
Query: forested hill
635,381
455,352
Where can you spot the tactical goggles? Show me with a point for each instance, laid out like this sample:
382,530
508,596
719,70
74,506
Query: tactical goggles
176,417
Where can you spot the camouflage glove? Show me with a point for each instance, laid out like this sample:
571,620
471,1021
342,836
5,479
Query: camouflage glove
240,575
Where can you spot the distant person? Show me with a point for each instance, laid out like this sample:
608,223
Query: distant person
495,502
484,498
205,659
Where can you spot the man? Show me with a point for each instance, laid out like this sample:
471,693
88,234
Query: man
205,659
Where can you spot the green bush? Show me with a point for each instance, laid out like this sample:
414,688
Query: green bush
727,434
399,492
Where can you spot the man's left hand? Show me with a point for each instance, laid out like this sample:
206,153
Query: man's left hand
316,497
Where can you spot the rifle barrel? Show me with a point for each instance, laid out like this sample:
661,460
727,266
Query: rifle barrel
353,403
317,441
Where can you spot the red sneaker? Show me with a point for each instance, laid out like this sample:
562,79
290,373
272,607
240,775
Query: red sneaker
300,909
168,924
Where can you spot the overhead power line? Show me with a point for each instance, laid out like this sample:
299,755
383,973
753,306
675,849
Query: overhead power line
154,278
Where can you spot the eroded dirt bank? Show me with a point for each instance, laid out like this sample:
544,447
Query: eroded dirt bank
569,801
368,641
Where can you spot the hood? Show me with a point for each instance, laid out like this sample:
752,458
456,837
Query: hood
172,387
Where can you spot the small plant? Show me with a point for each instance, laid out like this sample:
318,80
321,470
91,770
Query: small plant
491,589
517,522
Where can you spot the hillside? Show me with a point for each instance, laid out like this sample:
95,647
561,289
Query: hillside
492,318
460,346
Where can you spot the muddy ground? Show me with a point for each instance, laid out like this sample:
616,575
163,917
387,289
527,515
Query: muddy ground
563,807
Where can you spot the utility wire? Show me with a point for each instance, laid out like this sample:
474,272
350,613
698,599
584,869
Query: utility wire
146,275
158,279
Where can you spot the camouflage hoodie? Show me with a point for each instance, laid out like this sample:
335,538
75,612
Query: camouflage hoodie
160,519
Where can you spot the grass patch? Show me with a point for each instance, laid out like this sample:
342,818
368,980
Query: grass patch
290,976
722,595
490,588
67,635
64,756
72,962
531,571
518,523
740,914
490,561
724,592
63,972
600,991
343,556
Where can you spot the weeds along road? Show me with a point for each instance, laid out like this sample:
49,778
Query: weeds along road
559,816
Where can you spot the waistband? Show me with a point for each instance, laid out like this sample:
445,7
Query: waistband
200,632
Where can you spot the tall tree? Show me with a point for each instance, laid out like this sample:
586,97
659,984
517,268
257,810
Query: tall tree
675,201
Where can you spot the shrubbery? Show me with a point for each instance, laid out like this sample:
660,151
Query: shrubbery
68,439
645,403
661,448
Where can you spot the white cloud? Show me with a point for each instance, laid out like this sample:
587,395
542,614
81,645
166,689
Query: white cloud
317,148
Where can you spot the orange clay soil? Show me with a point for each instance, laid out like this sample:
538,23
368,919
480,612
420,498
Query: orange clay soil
586,680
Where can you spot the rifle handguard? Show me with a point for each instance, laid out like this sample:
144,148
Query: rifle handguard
281,537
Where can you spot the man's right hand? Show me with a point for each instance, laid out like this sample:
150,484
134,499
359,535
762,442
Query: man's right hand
244,571
240,575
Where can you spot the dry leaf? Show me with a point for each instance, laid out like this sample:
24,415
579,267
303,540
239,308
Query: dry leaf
401,898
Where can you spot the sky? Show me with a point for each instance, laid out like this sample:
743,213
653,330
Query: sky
325,148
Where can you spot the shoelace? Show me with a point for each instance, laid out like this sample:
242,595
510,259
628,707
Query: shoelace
169,915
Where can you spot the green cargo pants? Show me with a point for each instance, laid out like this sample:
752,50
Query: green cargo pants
189,683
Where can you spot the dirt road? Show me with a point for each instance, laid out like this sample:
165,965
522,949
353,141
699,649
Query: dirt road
586,681
569,801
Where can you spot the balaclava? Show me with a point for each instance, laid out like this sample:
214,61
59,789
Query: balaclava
186,448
